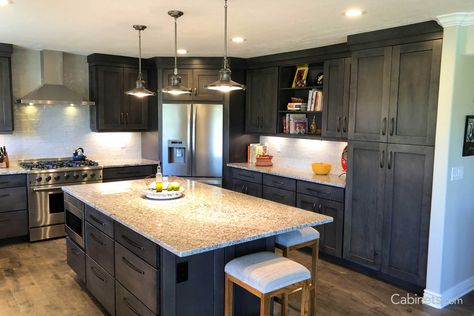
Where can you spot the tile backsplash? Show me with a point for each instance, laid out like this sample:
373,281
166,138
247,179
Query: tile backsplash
48,131
300,153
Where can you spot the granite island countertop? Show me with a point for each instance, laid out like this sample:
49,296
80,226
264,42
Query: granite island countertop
205,219
294,173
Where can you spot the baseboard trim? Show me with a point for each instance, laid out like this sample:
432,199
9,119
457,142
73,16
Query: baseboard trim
450,296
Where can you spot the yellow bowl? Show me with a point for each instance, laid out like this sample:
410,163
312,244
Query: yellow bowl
321,168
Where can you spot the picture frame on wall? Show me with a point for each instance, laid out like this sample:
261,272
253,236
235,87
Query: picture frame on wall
468,148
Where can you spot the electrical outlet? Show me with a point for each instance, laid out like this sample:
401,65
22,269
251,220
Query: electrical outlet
457,173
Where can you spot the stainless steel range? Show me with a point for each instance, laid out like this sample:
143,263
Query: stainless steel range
46,209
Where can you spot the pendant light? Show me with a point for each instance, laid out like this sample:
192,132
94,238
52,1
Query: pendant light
175,87
140,90
225,83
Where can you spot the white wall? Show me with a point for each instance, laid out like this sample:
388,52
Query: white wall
300,153
451,252
53,130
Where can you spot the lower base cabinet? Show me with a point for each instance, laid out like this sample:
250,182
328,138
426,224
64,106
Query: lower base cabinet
76,259
101,285
127,304
13,224
250,188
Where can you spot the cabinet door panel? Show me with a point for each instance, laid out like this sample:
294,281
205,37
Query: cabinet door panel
135,109
333,109
245,187
364,203
6,104
201,78
331,238
279,195
369,100
186,80
414,93
110,96
407,212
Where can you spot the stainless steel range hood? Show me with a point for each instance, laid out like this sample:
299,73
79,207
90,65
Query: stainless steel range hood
53,91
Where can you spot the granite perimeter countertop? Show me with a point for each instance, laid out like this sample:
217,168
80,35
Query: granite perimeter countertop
298,174
111,163
205,219
13,169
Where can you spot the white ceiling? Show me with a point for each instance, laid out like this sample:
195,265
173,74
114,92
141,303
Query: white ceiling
270,26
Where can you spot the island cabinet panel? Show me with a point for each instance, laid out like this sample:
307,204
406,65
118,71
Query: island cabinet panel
128,173
126,304
136,243
76,259
100,221
250,188
279,195
137,276
101,285
100,248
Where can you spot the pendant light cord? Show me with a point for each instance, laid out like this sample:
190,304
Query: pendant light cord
175,46
140,77
226,63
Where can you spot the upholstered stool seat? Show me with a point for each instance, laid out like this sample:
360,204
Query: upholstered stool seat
297,237
266,275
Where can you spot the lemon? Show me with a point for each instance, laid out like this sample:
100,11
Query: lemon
169,187
159,186
176,186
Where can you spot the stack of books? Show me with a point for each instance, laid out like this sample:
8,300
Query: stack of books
315,100
295,124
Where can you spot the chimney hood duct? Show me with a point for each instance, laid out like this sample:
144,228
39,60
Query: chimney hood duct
53,91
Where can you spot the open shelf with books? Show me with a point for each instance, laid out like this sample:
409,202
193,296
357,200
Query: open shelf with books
300,100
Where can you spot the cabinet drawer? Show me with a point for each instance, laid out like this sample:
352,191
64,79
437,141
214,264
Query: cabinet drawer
76,259
127,304
100,221
279,182
12,181
12,199
13,224
139,245
321,191
246,175
246,187
127,173
279,195
101,285
100,248
137,276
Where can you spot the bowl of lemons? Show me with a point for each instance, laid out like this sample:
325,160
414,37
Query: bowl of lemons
164,190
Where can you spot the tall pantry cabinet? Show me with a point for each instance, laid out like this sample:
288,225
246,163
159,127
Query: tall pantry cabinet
393,105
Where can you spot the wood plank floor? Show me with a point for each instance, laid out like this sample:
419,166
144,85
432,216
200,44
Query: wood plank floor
35,280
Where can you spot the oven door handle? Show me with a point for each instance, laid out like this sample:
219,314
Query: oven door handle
46,189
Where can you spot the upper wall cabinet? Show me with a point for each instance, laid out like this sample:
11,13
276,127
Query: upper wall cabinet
115,111
6,103
394,93
336,98
261,103
196,80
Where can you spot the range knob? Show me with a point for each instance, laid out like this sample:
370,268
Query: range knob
57,177
84,175
66,176
48,178
39,179
92,175
76,176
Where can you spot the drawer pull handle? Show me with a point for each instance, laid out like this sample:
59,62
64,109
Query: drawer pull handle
98,221
132,243
314,206
97,274
127,173
278,196
132,266
245,176
130,307
317,191
278,182
5,182
97,240
75,251
4,195
2,220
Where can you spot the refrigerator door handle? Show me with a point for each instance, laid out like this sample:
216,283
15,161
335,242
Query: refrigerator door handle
193,138
189,149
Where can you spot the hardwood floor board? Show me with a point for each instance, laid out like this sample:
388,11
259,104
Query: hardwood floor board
35,280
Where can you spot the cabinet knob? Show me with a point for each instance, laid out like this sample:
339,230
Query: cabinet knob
384,126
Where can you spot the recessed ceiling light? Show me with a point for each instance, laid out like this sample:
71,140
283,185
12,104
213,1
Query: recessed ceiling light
182,51
353,13
4,3
238,39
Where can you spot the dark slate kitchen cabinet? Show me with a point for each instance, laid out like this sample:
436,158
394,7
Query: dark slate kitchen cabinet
113,110
414,93
369,95
261,102
128,172
336,98
13,206
6,102
388,208
246,187
196,80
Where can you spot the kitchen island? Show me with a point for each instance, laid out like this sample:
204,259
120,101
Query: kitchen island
168,257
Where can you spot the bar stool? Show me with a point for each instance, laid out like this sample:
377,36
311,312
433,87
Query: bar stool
306,237
266,275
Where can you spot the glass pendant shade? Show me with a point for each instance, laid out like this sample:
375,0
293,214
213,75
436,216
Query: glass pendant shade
225,82
175,87
140,90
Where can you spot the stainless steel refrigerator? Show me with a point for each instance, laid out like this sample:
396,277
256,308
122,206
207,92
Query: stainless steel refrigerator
192,136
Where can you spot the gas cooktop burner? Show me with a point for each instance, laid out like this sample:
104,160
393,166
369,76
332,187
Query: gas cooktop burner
57,164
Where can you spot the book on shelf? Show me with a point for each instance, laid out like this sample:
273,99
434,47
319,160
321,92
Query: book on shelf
296,106
295,124
315,100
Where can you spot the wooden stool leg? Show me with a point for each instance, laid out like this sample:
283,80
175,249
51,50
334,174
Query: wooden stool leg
304,300
285,297
229,296
265,305
314,266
